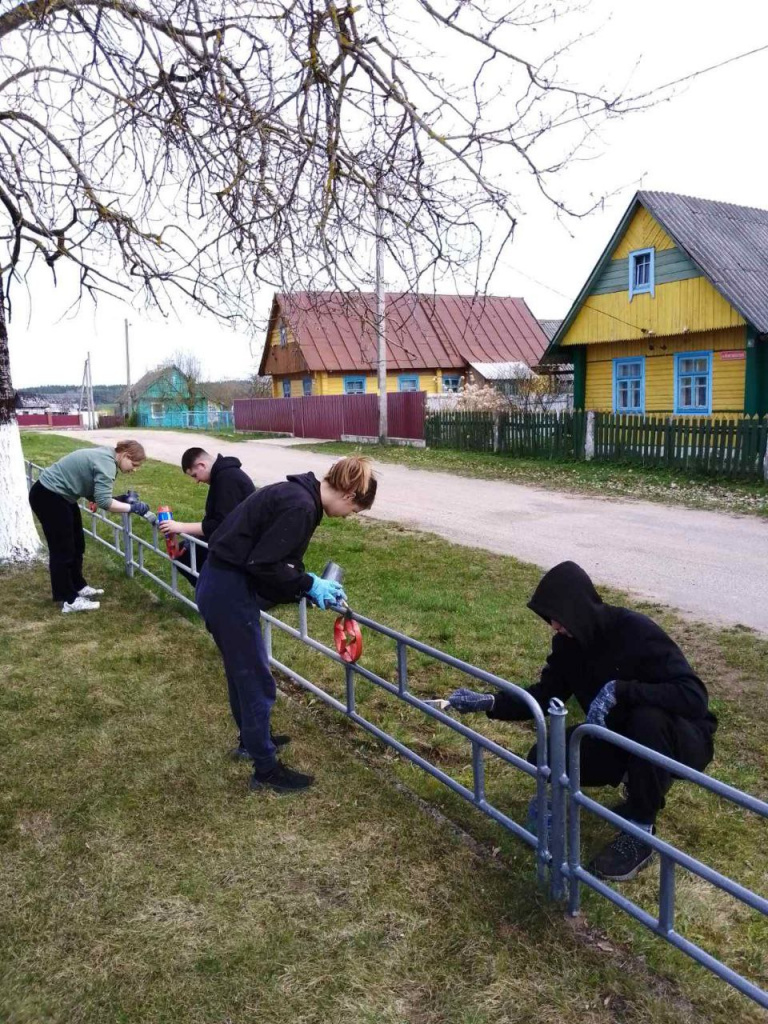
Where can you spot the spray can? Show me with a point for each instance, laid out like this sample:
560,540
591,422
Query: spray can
332,571
164,515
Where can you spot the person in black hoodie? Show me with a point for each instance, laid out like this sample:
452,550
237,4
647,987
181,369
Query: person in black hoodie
627,675
255,560
228,485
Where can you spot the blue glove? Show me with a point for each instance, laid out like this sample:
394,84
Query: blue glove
465,701
139,508
325,593
602,704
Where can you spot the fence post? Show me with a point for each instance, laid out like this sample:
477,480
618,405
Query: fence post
765,453
589,436
496,431
557,762
127,544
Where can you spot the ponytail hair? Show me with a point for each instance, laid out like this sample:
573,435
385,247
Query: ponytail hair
354,475
133,450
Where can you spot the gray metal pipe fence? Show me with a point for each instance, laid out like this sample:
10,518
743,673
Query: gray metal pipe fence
559,798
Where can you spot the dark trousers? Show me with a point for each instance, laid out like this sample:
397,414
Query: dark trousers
603,764
185,558
63,528
230,609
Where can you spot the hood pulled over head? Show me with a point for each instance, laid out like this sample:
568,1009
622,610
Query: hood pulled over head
567,595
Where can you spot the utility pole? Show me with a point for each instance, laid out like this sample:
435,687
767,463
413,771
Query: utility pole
128,368
91,406
381,317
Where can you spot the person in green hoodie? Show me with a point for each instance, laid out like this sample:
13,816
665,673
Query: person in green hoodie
86,473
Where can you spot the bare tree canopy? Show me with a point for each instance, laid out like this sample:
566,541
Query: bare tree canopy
210,146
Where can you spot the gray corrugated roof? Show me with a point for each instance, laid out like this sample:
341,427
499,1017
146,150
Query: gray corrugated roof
550,327
729,243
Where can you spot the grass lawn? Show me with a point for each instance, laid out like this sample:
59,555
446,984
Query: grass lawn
603,479
142,883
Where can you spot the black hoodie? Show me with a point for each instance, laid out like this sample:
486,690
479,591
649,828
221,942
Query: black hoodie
607,643
228,486
267,534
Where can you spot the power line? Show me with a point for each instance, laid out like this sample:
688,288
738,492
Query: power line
651,92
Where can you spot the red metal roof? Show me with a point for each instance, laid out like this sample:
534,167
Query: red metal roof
336,331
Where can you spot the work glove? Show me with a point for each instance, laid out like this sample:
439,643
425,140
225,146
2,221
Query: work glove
602,704
122,497
139,508
466,701
325,593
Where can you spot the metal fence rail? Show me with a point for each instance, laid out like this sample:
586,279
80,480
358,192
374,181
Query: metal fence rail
557,849
670,856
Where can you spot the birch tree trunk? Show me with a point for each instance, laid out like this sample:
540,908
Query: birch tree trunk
18,537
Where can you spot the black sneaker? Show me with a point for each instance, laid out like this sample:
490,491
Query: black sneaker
239,753
621,859
282,779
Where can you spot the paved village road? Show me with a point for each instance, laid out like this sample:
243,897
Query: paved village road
709,565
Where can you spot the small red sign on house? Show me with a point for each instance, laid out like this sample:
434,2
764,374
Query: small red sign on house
736,353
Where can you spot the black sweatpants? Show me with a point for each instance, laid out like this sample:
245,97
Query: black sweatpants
231,609
63,528
603,764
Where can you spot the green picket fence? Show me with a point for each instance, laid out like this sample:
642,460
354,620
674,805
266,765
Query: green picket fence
723,447
534,434
733,447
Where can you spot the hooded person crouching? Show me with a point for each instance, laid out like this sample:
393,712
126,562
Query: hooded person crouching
627,675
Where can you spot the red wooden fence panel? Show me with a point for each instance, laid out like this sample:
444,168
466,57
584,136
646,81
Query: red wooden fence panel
405,414
330,416
47,419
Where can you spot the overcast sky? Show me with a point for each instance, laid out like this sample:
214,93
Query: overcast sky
709,141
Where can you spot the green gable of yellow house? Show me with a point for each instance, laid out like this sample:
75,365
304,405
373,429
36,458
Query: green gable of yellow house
674,318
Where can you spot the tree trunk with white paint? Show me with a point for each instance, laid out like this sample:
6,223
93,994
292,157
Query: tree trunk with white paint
18,538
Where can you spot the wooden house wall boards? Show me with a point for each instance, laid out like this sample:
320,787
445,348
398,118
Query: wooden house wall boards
674,317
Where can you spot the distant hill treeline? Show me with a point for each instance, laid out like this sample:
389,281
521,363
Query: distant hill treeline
103,394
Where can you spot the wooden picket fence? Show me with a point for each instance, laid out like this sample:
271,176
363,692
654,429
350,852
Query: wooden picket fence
550,435
734,447
723,447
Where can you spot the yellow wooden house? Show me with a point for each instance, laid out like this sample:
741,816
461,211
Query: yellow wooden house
324,343
674,317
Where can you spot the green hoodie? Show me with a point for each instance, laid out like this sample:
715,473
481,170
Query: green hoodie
87,473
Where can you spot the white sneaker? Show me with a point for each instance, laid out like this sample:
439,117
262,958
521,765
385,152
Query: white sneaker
87,591
80,604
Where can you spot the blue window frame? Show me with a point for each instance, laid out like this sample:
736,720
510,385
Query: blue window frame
283,334
629,385
306,386
408,382
354,385
451,383
642,273
286,389
693,383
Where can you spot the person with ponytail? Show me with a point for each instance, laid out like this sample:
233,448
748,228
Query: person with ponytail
86,473
255,561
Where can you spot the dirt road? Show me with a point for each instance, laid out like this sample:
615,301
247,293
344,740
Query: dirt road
708,565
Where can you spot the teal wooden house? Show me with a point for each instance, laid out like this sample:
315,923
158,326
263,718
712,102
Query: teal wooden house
166,398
